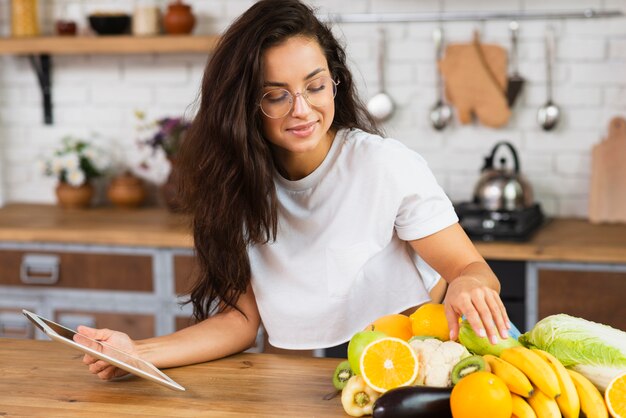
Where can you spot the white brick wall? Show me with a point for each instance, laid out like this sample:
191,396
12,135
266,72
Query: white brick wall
98,94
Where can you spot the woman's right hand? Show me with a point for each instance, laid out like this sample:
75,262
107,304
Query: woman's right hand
116,339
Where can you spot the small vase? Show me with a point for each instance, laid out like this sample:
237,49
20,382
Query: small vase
179,20
126,191
74,197
169,189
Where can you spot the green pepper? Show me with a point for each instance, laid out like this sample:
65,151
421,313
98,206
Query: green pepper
357,397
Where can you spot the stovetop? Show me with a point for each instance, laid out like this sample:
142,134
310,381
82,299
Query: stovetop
500,225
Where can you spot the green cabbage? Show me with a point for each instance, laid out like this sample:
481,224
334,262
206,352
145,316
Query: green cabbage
595,350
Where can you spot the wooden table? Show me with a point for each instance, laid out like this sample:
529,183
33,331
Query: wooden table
47,379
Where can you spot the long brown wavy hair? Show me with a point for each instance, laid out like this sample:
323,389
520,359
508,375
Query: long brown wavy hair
226,165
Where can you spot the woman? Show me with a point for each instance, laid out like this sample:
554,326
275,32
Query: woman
303,217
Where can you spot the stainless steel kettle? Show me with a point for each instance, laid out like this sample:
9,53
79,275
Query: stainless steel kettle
502,188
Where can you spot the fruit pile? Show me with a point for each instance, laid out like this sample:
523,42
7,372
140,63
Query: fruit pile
402,366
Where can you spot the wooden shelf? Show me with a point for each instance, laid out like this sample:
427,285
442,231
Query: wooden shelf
60,45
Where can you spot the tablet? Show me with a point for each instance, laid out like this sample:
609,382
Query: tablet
102,351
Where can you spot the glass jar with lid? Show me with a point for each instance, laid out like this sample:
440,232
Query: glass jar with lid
24,18
146,18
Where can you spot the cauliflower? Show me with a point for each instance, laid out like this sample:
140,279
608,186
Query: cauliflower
436,360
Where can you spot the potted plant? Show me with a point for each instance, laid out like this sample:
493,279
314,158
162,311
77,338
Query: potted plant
75,164
159,141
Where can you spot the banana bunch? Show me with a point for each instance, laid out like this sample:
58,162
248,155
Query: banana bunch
542,387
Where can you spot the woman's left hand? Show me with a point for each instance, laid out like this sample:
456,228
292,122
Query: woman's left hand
481,305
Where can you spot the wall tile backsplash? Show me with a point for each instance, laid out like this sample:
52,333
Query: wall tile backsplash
98,94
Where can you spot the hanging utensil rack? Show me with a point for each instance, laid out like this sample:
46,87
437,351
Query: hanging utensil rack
471,16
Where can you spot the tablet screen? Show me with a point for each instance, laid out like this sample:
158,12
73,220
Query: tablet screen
101,350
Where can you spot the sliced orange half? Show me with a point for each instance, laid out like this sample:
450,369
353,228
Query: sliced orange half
389,363
615,396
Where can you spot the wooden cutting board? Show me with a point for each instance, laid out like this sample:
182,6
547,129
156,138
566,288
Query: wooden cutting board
607,195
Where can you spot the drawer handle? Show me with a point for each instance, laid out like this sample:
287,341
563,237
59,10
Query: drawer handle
39,269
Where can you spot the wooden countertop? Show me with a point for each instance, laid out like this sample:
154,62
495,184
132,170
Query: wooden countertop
152,227
45,378
574,240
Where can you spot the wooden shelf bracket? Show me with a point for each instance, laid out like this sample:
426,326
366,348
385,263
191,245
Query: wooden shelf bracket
42,65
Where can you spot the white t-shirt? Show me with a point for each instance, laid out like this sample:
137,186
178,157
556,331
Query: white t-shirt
340,259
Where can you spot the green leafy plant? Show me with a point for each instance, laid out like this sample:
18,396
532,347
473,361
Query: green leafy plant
76,162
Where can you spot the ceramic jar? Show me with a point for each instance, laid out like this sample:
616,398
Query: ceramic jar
74,197
126,191
179,20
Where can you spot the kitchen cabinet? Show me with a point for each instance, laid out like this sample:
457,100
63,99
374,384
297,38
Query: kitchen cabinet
593,292
130,289
533,290
570,266
125,269
121,269
512,275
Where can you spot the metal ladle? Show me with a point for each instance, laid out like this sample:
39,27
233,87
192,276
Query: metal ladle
381,106
440,113
549,114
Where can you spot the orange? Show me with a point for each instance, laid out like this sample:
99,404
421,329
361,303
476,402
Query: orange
430,319
394,325
389,363
481,395
615,396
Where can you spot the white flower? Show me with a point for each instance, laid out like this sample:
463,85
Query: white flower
75,177
57,165
43,167
70,142
76,161
151,165
97,157
71,161
101,162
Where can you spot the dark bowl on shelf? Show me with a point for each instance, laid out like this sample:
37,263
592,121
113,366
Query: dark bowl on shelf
110,24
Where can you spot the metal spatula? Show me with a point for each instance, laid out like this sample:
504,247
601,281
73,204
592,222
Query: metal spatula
515,81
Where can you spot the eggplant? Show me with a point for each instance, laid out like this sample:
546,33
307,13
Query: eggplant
414,402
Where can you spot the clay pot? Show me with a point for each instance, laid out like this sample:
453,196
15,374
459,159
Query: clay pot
178,20
126,191
74,197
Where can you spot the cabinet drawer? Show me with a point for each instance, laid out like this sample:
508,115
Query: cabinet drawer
516,310
593,295
185,269
184,322
137,326
78,270
13,324
512,276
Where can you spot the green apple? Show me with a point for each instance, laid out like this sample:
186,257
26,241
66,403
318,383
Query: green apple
357,344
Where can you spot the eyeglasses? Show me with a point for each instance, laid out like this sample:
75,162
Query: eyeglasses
277,103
